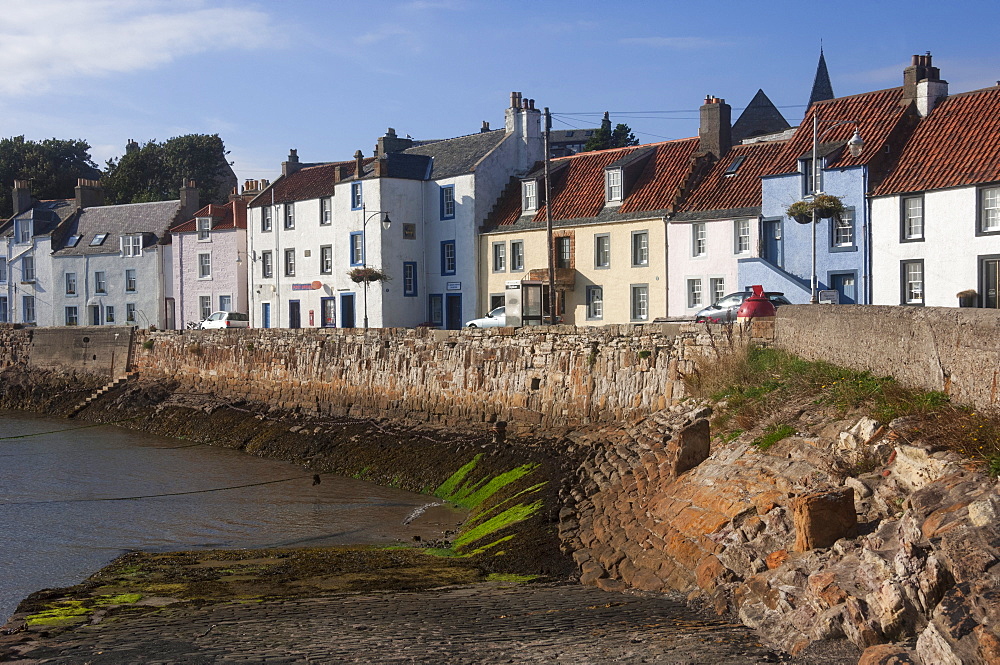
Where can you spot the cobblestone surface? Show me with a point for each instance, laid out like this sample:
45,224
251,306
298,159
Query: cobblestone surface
483,623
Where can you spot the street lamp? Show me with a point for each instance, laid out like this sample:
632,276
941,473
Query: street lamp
386,222
854,145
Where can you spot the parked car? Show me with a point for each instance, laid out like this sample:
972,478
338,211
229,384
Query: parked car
226,320
495,319
724,309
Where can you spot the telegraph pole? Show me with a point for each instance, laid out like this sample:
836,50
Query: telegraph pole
548,223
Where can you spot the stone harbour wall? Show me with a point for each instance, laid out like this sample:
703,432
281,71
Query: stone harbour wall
533,378
15,346
953,350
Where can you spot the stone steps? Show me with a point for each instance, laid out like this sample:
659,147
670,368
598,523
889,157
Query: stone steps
124,378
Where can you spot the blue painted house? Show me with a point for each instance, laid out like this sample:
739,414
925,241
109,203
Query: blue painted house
884,119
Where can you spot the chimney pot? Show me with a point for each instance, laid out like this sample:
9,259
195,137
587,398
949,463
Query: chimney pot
359,164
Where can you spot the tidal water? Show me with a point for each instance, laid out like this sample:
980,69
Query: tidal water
75,496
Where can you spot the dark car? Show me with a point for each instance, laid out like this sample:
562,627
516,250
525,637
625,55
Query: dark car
724,309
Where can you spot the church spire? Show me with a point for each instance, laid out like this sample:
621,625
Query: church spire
821,89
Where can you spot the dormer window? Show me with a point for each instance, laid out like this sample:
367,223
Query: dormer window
529,195
613,185
132,245
204,228
24,231
98,239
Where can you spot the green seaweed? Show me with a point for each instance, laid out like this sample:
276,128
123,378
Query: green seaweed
120,599
518,513
510,577
66,611
447,488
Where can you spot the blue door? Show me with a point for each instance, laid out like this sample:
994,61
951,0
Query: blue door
453,311
294,314
347,310
265,315
846,286
771,229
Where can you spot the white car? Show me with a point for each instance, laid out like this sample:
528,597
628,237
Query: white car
495,319
226,320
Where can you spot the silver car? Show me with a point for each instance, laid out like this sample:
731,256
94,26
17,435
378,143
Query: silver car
495,319
226,320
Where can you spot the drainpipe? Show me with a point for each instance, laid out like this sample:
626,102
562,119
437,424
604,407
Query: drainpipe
666,265
866,255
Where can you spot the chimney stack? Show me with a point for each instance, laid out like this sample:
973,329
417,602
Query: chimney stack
715,134
485,128
359,165
131,147
292,165
189,198
391,143
89,193
338,173
922,84
21,196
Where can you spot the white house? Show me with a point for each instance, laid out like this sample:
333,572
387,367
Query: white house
112,265
27,282
412,211
209,265
936,217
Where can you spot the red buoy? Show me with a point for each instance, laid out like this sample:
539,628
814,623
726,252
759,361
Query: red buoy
757,307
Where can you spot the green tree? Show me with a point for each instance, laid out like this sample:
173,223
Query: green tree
604,137
155,171
52,166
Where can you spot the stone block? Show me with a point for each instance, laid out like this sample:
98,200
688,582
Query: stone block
887,654
688,448
823,518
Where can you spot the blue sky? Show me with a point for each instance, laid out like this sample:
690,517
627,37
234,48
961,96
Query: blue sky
328,77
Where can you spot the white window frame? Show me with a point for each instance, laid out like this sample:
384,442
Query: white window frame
989,210
695,296
132,245
716,288
289,218
131,280
843,229
224,307
913,218
70,283
28,313
499,257
109,314
266,219
613,185
529,195
130,312
100,282
325,212
914,289
326,259
204,265
28,268
741,233
24,231
204,225
72,315
595,302
602,251
205,306
289,262
266,264
517,256
699,239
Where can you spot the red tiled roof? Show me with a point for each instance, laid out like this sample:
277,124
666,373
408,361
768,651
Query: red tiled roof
877,114
578,186
957,144
310,182
232,215
718,191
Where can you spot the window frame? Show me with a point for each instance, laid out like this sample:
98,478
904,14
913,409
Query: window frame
109,314
222,308
445,258
498,256
447,201
694,298
3,269
28,269
904,219
641,236
205,306
130,311
266,264
325,211
435,308
716,288
131,280
904,284
564,252
71,315
518,255
636,290
835,226
699,240
288,219
357,196
266,219
356,248
131,245
4,309
28,305
24,231
529,196
288,262
203,226
595,306
70,284
981,193
614,185
409,275
100,282
204,266
326,259
739,236
599,239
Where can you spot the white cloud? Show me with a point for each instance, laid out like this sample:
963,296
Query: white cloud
44,42
678,43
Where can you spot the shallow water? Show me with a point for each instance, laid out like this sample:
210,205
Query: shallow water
73,497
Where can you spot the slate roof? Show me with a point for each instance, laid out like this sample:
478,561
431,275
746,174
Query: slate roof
578,186
460,155
822,88
958,144
737,194
310,182
760,117
48,215
877,113
232,215
150,219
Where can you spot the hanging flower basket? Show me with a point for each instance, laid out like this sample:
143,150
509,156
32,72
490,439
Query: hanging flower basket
826,206
800,211
363,275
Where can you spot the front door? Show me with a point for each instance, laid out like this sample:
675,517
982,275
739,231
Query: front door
294,315
772,249
265,315
989,277
846,285
328,312
95,315
453,311
347,310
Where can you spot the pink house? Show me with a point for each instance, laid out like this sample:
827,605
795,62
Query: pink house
210,262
